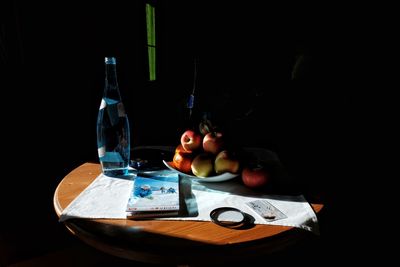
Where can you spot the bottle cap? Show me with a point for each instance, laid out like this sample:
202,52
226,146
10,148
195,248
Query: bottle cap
110,60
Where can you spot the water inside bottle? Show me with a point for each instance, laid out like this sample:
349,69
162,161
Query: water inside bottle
113,138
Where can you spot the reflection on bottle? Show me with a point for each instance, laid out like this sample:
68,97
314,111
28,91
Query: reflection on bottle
113,134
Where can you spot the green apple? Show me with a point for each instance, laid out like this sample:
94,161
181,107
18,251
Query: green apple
226,161
203,165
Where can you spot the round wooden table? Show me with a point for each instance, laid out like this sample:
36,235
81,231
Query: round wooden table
171,242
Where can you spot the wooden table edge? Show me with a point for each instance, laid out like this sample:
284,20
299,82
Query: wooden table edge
59,209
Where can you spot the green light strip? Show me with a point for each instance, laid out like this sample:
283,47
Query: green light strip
151,40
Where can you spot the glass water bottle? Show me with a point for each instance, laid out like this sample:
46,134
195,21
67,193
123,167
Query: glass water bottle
113,134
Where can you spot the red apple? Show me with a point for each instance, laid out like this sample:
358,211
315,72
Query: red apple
226,161
182,159
255,175
191,140
213,142
203,165
179,148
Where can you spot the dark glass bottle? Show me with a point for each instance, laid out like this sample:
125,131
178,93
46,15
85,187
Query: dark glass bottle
113,134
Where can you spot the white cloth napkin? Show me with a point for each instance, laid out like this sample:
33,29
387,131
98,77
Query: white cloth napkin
107,197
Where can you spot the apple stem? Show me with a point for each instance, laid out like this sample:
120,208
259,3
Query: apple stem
214,130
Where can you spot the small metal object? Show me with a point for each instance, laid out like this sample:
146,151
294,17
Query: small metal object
269,217
219,214
138,163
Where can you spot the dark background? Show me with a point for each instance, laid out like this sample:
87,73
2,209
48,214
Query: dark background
53,75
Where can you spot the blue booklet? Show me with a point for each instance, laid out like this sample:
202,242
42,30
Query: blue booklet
154,196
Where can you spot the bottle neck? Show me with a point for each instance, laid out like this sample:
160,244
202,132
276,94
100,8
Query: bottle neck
111,89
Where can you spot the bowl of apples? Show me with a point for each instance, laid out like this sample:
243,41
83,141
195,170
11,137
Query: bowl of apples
204,157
